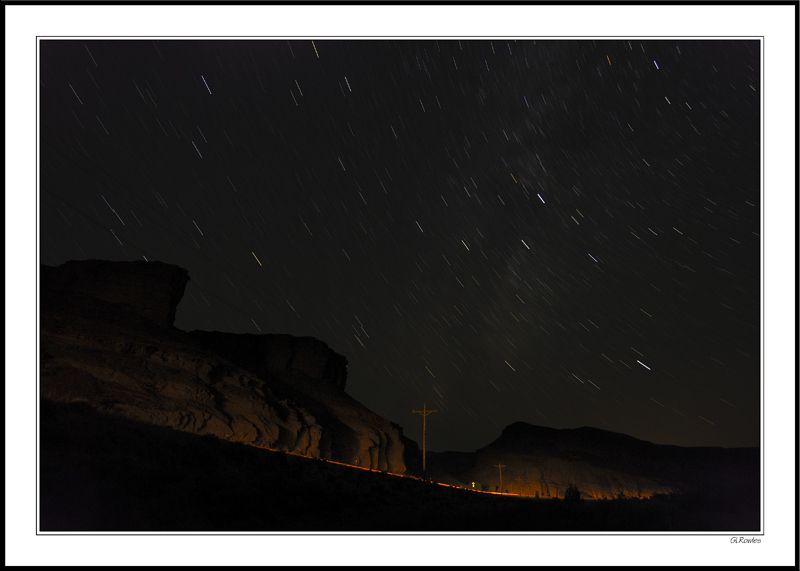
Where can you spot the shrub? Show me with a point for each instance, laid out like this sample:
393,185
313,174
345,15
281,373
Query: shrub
572,494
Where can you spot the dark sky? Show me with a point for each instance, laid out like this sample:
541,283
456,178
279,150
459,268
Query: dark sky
565,233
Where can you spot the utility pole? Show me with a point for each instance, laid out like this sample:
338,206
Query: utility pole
424,412
501,466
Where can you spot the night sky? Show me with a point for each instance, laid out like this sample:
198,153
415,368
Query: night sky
561,232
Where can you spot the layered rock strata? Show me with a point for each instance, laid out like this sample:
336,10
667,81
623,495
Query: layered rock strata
107,339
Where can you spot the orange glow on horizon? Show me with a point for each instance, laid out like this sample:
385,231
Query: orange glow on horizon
523,489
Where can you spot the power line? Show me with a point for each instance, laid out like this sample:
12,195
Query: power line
424,412
501,466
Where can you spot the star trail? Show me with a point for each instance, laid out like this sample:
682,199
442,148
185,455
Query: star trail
560,232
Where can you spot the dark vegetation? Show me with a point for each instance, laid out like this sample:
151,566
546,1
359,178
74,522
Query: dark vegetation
105,473
573,494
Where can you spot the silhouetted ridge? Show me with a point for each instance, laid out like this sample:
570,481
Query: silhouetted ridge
602,464
149,289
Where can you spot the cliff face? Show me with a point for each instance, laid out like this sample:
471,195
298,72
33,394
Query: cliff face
148,289
107,339
307,370
278,354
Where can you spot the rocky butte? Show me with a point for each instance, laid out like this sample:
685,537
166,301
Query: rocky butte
541,461
108,340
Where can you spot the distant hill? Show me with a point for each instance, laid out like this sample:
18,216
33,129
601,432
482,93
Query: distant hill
603,464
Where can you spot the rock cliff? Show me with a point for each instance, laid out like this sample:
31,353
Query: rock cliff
278,354
107,339
148,289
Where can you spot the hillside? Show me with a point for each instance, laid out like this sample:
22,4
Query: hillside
100,472
602,464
